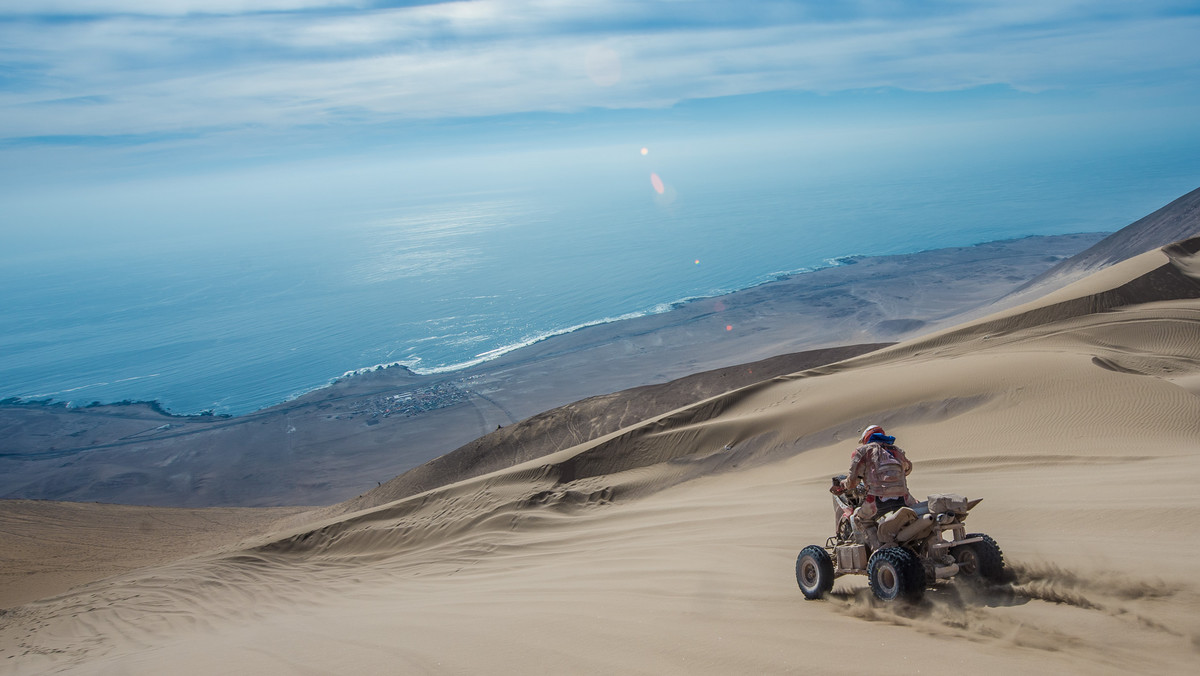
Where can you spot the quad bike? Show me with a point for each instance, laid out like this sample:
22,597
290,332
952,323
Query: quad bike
903,552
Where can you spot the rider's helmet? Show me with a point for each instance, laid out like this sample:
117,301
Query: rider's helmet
868,431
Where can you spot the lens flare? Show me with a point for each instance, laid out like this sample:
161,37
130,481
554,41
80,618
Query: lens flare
729,327
645,151
657,183
697,261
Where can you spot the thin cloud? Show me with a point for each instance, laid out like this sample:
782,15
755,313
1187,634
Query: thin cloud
95,8
193,65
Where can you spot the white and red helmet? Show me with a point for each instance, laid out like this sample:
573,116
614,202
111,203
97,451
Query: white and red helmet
868,431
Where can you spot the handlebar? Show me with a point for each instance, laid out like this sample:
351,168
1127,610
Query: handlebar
836,488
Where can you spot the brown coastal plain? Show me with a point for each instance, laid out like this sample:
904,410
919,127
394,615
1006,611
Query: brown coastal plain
665,543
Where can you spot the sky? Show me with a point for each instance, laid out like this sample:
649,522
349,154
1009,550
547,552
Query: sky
167,167
210,107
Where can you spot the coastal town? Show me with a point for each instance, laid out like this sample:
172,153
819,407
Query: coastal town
408,403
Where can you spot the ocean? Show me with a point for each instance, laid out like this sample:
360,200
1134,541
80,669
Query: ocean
442,279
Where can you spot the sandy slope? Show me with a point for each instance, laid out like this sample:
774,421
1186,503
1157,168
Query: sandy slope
668,546
51,546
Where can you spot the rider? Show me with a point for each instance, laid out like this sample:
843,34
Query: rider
883,467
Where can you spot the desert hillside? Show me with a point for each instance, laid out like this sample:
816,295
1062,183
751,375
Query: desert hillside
667,546
1176,221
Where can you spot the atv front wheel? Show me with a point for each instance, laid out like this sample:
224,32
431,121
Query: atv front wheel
981,559
896,573
814,572
845,529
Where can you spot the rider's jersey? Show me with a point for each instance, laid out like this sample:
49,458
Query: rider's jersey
883,467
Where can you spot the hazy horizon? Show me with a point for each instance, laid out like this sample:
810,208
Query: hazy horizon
116,94
386,176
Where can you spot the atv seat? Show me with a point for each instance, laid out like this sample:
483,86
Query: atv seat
894,522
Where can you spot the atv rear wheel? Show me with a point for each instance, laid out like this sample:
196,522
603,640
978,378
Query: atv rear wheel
981,559
814,572
896,573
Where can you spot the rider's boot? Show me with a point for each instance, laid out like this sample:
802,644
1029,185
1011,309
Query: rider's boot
864,532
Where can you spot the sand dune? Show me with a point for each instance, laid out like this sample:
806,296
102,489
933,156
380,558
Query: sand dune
51,546
667,546
1176,221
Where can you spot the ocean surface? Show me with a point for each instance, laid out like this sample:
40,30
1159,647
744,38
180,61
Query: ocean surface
438,280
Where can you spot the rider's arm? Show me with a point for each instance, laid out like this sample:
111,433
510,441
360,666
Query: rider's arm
856,469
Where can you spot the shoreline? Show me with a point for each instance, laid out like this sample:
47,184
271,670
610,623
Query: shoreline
667,307
350,436
483,359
